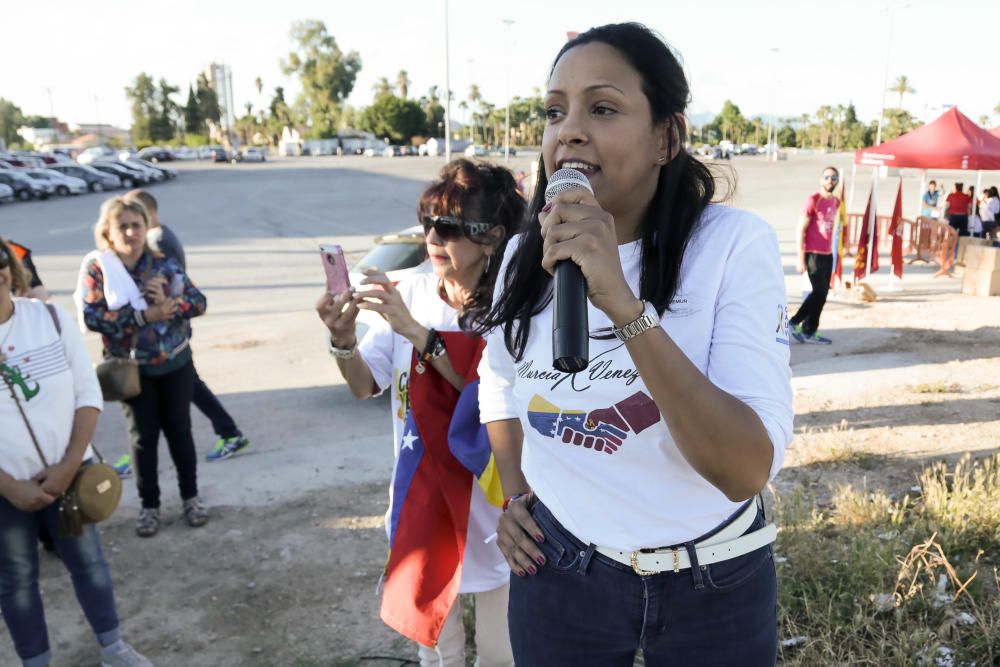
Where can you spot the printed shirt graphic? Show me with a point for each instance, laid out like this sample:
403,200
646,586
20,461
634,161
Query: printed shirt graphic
51,376
822,213
596,449
389,356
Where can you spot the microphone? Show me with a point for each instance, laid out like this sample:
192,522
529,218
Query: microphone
570,327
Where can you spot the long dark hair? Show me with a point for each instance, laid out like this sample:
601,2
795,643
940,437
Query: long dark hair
684,189
488,193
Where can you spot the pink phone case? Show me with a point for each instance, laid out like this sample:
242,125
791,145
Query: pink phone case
335,266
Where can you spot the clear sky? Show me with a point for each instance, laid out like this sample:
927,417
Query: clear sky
85,53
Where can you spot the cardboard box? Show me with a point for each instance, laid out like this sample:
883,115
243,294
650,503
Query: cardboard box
979,282
986,258
963,244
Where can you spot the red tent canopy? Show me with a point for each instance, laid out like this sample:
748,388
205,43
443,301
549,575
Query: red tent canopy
996,131
950,142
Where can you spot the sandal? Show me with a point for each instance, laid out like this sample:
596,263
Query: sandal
195,515
148,523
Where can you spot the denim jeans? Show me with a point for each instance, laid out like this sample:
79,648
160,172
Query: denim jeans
20,599
583,608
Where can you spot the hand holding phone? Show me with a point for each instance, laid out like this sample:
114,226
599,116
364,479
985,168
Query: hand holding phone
335,266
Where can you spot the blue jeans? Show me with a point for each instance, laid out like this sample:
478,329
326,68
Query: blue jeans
20,599
583,608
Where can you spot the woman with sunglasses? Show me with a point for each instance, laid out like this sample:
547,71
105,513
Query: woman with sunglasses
633,523
47,382
422,353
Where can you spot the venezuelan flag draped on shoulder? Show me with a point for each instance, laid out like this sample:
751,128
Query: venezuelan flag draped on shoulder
443,449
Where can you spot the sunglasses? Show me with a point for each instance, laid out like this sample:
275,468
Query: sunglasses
450,228
4,259
831,178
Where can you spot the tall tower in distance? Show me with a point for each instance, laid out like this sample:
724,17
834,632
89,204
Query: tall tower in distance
220,77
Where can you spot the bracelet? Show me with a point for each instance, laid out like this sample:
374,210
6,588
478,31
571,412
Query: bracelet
508,501
433,349
343,352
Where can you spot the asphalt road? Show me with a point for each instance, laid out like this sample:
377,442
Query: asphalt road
251,233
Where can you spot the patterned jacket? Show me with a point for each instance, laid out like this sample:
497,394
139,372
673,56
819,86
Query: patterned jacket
156,343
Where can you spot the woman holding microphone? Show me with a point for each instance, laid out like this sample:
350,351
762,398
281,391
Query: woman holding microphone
632,521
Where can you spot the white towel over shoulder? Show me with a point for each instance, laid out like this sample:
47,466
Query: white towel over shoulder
119,288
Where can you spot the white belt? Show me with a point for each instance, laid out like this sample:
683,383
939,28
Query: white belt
729,542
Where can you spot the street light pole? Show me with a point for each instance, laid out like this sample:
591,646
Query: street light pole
885,77
447,90
506,141
771,125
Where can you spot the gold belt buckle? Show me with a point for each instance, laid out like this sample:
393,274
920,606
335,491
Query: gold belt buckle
635,564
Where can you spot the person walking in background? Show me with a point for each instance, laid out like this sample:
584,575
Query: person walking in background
989,212
49,404
956,210
162,239
815,246
424,354
930,201
140,303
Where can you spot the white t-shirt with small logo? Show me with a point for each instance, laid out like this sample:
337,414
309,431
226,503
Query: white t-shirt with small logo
596,449
388,356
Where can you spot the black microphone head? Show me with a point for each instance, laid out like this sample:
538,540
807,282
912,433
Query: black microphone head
566,179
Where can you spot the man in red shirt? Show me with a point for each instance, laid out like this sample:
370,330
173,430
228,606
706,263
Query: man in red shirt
815,242
956,208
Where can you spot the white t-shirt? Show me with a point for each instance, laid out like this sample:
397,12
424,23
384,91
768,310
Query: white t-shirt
388,355
58,379
596,449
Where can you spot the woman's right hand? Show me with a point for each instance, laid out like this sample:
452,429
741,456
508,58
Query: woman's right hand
161,312
517,535
338,319
29,496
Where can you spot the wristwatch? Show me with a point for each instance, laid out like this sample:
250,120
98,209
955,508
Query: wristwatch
342,352
434,349
648,320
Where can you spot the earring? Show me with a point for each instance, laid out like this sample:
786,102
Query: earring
489,263
661,159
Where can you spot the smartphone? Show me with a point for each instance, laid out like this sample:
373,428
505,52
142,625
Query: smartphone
335,266
177,285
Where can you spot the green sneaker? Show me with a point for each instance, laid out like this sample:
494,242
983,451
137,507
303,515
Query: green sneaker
123,466
227,447
816,339
797,333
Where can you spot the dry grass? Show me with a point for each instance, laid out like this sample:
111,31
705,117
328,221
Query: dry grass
880,581
834,446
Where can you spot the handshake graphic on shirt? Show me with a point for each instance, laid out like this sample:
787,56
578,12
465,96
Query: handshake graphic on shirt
600,430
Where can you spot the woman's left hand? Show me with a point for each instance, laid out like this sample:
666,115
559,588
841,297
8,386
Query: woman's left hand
56,479
577,229
387,302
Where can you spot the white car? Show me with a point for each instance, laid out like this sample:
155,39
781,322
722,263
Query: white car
64,185
97,153
6,194
475,151
186,154
251,154
398,255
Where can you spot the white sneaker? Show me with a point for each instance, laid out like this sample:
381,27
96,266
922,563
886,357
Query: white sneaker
123,655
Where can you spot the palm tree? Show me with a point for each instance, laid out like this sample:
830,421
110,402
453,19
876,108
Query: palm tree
464,106
901,87
476,97
382,87
403,83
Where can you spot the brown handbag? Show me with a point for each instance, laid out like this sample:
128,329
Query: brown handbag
96,489
119,377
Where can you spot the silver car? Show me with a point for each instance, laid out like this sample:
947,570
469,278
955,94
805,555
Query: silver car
6,194
64,185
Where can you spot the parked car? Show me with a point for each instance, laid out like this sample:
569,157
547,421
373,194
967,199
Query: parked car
64,185
18,182
151,171
97,153
219,154
11,162
156,154
6,194
128,177
475,151
393,151
167,172
41,187
186,154
398,255
251,154
97,181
